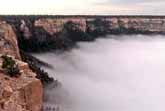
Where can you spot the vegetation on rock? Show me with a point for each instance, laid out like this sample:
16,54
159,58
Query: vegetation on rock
34,66
10,66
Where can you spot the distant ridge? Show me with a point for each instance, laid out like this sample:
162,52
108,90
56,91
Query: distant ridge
88,16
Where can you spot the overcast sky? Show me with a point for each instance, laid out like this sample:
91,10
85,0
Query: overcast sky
83,7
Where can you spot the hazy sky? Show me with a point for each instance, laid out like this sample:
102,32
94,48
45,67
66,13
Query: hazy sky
156,7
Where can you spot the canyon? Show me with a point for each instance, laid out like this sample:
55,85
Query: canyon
44,33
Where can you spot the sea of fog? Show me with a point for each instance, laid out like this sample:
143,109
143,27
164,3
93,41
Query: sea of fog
117,73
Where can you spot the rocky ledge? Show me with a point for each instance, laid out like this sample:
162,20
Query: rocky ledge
22,93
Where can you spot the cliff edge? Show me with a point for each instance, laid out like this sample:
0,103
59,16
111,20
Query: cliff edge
23,93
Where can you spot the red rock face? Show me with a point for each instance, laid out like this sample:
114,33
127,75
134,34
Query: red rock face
23,93
56,25
8,42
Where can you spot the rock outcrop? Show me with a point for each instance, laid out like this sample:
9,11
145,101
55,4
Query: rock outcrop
56,25
8,41
23,93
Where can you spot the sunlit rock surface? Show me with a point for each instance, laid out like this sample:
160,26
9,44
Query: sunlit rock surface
56,25
23,93
154,25
8,42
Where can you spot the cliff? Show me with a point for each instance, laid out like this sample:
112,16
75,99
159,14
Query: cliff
8,41
42,33
143,24
138,24
22,93
56,25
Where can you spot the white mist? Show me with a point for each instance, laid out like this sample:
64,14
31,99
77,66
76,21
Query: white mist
116,74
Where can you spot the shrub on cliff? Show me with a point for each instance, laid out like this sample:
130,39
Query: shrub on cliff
35,67
9,66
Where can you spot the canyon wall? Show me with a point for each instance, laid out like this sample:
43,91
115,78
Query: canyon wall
41,33
155,24
23,93
56,25
143,24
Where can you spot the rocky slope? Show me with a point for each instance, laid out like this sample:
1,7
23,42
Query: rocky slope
23,93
